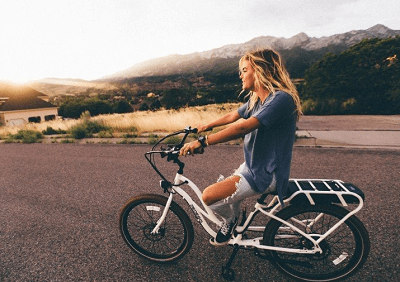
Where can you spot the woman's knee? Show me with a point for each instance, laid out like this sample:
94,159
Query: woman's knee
220,190
207,197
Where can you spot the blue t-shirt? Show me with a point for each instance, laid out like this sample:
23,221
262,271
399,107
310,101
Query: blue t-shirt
269,148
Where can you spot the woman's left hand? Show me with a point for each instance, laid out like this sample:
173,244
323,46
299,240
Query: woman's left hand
190,148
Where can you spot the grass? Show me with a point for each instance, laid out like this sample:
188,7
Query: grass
126,125
137,122
24,136
164,120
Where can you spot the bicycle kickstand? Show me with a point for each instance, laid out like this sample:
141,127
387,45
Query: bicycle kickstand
227,271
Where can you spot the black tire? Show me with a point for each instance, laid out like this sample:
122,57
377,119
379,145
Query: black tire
139,217
344,251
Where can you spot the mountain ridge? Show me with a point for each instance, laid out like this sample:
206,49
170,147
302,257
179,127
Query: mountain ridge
200,61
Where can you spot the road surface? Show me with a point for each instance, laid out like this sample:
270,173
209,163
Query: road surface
59,206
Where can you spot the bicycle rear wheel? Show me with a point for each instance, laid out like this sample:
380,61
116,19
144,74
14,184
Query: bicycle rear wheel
344,251
139,217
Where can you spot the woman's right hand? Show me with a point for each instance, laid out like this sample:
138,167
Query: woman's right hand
202,128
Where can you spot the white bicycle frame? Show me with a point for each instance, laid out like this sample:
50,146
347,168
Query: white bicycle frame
269,210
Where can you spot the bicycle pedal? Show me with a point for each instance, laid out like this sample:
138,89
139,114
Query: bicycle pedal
212,242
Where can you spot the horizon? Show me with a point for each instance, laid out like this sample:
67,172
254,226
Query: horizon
88,40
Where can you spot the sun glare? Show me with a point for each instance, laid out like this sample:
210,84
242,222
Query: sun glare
20,81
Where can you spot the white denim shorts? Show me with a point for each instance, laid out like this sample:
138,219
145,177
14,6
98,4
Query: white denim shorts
229,208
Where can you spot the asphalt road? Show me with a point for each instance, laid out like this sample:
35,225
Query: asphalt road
59,206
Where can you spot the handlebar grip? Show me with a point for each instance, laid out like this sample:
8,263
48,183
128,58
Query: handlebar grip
189,130
199,151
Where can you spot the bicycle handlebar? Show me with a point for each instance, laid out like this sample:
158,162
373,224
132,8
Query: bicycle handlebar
172,152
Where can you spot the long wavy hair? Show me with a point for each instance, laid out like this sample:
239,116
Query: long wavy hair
270,73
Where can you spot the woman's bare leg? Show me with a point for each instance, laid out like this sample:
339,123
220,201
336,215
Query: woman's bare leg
220,190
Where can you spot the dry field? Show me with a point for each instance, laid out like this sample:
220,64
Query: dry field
172,120
142,122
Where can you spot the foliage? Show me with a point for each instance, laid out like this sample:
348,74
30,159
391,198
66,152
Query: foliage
144,107
298,60
365,79
122,106
105,134
87,127
155,105
50,131
73,107
78,131
173,140
175,98
26,136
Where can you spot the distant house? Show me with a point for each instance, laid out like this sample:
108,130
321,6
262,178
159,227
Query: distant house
21,104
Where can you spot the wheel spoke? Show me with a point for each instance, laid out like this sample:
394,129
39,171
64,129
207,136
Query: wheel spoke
341,251
138,219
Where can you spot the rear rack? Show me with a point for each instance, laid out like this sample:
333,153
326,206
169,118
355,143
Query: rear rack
323,191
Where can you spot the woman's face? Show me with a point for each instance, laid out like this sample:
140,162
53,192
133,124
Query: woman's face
247,75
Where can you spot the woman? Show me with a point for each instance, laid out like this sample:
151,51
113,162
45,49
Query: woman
269,125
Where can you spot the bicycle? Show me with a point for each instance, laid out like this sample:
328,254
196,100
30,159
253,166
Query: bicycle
312,238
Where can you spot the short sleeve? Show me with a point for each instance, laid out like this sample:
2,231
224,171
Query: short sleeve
280,106
243,111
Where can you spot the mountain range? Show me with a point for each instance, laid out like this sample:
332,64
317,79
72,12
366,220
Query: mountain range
215,67
299,51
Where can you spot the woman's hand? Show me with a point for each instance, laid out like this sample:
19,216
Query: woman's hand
202,128
190,148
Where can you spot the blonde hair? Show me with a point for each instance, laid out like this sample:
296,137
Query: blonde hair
270,73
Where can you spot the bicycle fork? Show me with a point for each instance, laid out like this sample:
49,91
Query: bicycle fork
163,216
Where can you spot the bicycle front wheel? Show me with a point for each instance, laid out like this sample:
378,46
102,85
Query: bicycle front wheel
344,251
139,217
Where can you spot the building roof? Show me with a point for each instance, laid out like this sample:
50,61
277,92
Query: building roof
20,97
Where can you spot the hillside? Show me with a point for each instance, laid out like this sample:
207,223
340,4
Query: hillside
213,69
56,86
299,51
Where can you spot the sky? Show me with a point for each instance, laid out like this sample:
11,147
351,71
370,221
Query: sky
89,39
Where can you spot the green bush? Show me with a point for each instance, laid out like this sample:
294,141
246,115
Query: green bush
65,141
95,127
152,141
87,128
75,108
78,131
105,134
129,135
27,136
50,131
173,140
129,141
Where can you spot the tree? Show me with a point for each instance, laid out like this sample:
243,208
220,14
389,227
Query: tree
365,79
175,98
144,107
122,106
74,108
155,105
97,107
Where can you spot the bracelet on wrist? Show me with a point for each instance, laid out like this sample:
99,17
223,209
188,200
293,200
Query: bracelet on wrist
203,142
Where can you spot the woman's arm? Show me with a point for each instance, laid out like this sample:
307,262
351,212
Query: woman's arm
232,132
224,120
